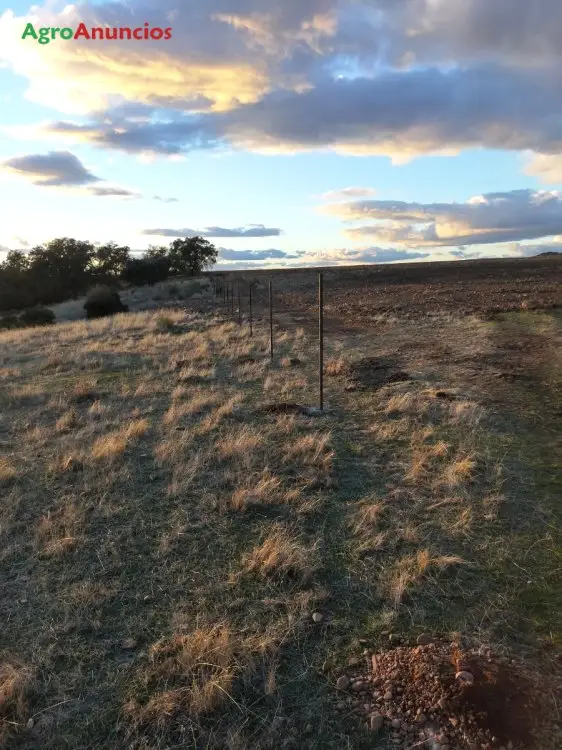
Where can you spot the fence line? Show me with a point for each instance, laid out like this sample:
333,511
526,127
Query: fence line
225,292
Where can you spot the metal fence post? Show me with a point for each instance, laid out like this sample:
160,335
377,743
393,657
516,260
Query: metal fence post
321,337
239,307
270,319
251,317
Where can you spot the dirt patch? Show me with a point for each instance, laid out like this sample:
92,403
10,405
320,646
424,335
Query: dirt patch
374,372
441,696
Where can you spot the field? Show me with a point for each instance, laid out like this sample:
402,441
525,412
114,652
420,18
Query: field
186,561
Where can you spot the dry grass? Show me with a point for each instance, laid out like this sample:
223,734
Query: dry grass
281,556
17,684
192,673
115,443
164,541
8,471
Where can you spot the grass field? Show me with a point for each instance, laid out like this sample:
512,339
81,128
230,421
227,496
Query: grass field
165,540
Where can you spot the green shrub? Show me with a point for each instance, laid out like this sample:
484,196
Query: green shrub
37,316
102,301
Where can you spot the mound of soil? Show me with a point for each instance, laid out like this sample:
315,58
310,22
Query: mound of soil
439,696
374,372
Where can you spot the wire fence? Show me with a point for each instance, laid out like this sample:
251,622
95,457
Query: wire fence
246,302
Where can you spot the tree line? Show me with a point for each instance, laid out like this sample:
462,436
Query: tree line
66,268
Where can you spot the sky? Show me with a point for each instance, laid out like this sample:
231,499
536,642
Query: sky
301,132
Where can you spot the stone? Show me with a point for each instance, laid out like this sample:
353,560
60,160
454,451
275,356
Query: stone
317,617
388,695
465,678
128,644
394,639
358,686
424,639
376,722
342,682
396,724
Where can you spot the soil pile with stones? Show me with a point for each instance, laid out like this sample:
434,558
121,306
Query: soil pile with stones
440,696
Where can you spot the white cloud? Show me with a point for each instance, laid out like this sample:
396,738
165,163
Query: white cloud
486,219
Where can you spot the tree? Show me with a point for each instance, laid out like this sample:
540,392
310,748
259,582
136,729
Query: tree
60,269
110,260
192,255
157,252
141,271
16,262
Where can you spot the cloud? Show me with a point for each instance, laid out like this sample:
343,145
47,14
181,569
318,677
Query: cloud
114,192
55,169
349,192
165,200
61,169
546,167
400,79
253,230
380,255
485,219
254,255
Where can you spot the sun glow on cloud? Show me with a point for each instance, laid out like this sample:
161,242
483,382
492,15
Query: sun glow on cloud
361,78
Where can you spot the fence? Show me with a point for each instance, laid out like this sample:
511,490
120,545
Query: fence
240,299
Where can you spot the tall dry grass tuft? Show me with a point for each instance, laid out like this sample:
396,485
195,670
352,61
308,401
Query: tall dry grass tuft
115,443
8,471
193,673
282,555
17,687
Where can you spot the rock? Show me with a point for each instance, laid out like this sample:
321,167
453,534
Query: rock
465,678
442,703
309,729
128,644
396,724
376,722
30,723
353,662
340,706
424,639
342,682
317,617
358,686
394,639
422,718
388,695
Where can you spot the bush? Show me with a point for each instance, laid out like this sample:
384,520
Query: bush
37,316
8,322
102,301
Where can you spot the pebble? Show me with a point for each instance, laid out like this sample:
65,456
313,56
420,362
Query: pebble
317,616
342,682
466,678
388,695
129,644
424,639
394,639
396,724
358,686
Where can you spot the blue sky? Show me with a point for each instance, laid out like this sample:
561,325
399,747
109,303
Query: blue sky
325,131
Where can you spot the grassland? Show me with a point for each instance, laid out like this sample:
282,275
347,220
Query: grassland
165,540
